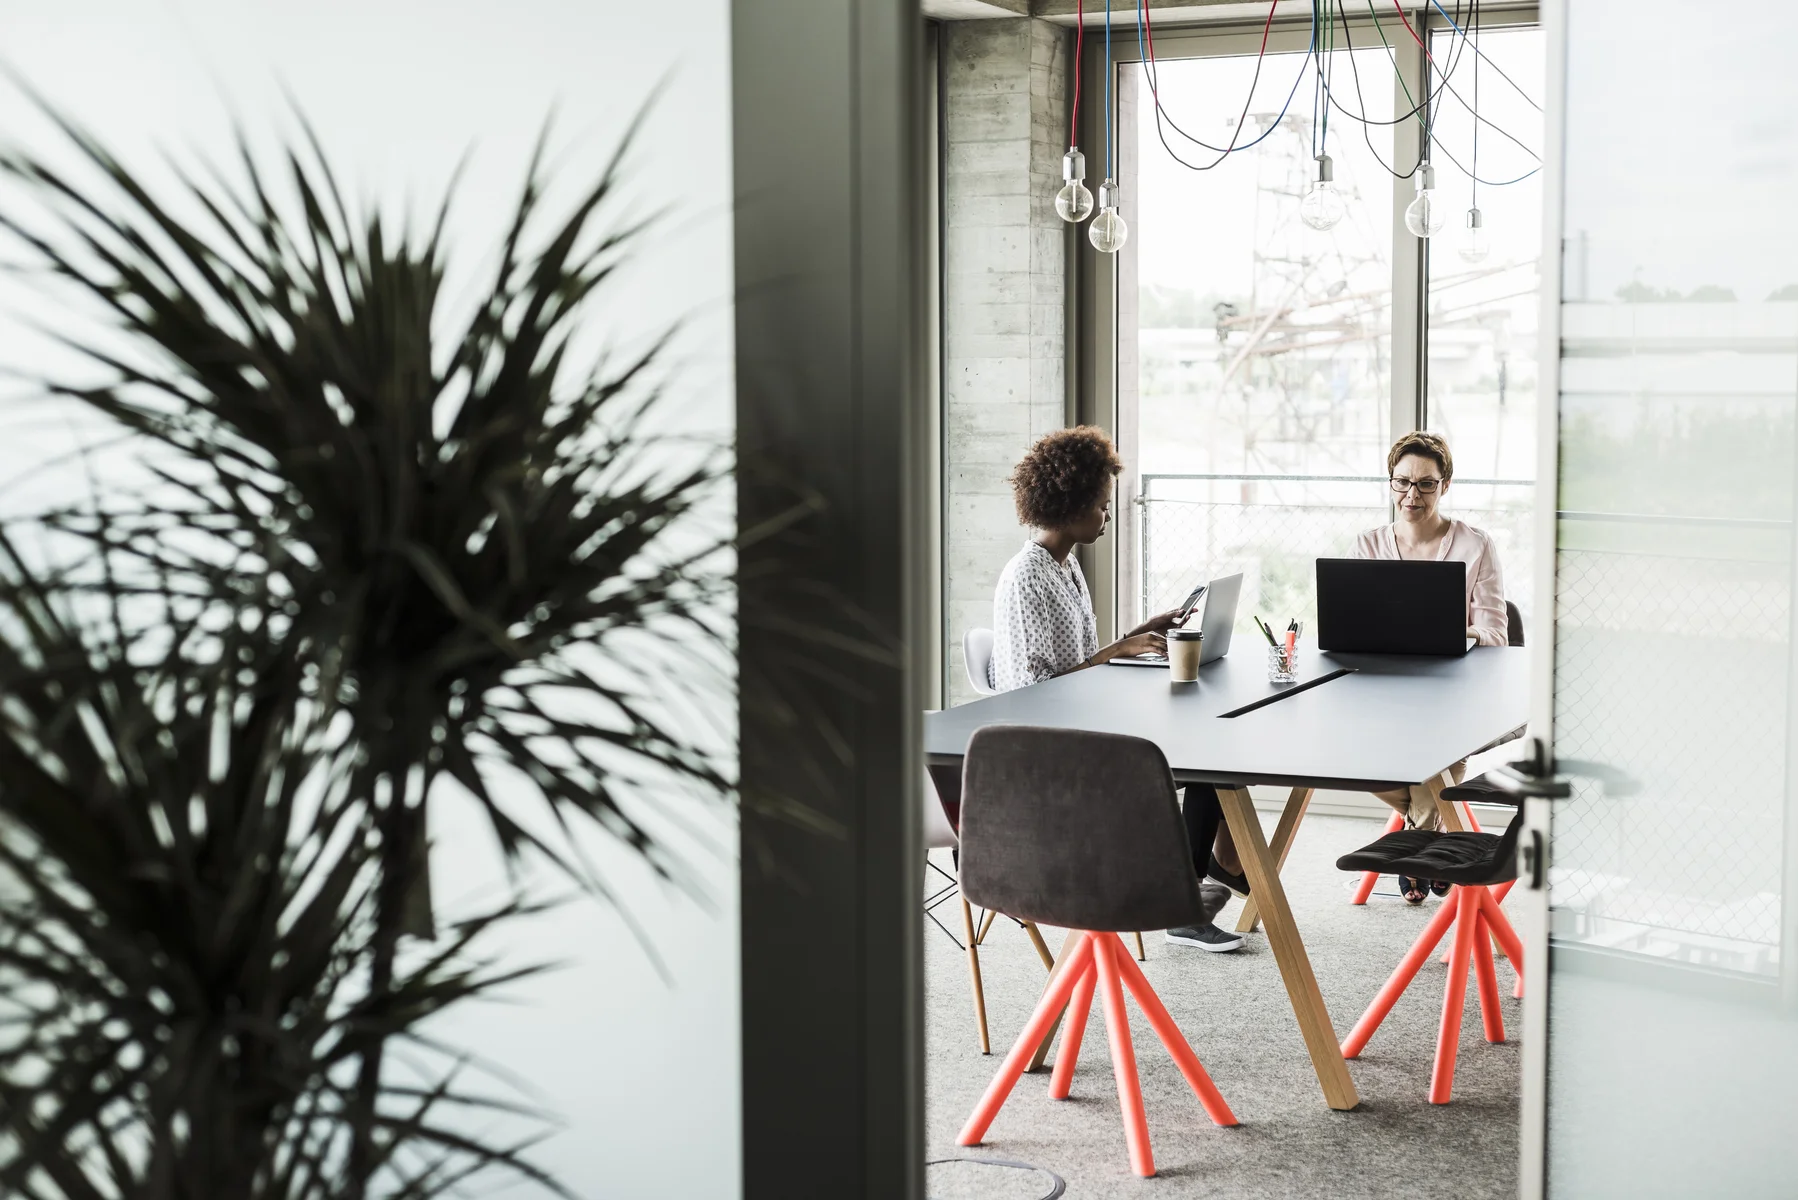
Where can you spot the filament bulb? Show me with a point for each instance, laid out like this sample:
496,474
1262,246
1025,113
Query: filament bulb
1323,206
1424,215
1108,232
1073,203
1475,245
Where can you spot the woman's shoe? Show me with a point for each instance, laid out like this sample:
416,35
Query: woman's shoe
1413,889
1230,879
1439,888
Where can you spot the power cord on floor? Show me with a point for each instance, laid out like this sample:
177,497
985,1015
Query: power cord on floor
1058,1185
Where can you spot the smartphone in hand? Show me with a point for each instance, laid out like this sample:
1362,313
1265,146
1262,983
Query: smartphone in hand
1192,602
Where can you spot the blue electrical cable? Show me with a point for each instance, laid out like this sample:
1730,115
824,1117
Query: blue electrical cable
1480,53
1222,152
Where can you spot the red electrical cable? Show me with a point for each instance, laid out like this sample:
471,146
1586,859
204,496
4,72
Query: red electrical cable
1079,58
1401,16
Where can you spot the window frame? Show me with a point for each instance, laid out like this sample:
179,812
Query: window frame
1102,354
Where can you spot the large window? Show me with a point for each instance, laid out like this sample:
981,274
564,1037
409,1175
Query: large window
1480,386
1273,362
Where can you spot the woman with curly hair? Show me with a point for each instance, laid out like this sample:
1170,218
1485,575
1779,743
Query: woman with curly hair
1043,622
1044,626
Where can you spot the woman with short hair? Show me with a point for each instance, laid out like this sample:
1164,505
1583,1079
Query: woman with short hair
1420,469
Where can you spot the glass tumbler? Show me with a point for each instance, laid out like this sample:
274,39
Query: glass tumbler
1281,666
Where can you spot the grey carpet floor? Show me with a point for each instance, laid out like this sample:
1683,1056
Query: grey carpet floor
1235,1013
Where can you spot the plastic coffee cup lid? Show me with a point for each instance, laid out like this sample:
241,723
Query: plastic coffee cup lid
1185,635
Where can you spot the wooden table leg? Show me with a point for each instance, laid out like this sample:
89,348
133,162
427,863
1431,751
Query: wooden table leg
1289,949
1042,1048
1447,809
1284,832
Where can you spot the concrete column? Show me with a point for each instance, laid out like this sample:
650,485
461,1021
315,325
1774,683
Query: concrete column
1005,110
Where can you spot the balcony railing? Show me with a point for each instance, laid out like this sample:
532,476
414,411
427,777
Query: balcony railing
1275,527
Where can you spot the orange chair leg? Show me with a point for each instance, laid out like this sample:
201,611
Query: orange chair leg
1076,958
1486,974
1473,822
1502,890
1454,997
1162,1022
1401,979
1071,1034
1106,952
1369,878
1506,937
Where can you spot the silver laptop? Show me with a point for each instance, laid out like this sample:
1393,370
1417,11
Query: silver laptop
1217,624
1220,617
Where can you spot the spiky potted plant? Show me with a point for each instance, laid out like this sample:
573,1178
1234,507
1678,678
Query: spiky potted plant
382,551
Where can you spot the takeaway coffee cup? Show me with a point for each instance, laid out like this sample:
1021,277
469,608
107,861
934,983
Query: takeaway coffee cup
1184,647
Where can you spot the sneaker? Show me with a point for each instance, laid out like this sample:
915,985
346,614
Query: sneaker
1213,898
1205,937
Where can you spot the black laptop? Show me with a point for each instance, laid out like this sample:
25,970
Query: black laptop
1389,606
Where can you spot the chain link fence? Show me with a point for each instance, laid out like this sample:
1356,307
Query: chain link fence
1674,667
1187,536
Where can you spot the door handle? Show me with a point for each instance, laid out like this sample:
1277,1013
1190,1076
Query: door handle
1541,776
1533,858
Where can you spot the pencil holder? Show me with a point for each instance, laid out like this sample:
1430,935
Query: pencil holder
1281,667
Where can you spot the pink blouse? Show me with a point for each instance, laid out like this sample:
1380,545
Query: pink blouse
1485,585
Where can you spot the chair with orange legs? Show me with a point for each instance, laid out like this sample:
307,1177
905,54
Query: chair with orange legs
1468,792
1082,831
1471,862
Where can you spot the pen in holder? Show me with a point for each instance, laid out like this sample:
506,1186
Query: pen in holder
1282,664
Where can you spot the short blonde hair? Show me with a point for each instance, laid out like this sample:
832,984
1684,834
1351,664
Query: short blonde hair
1426,445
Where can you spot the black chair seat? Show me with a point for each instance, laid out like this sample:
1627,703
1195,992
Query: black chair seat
1378,856
1479,790
1470,858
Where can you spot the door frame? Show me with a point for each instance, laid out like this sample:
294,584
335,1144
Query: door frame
1530,910
833,427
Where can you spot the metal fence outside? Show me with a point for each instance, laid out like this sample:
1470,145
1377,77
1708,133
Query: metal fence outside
1187,535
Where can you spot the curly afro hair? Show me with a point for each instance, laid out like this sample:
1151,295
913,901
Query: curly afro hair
1065,476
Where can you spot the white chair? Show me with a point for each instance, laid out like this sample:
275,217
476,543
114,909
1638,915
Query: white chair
977,653
940,835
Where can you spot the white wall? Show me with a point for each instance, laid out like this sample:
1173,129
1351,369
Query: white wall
643,1073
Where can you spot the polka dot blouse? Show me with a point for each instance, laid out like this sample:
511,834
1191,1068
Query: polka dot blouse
1043,622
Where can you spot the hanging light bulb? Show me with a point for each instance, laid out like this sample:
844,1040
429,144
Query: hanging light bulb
1475,245
1323,205
1423,217
1108,232
1073,202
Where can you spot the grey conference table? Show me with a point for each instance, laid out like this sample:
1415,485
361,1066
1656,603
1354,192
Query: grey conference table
1358,722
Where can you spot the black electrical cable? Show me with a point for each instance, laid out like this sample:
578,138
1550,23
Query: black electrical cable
1418,111
1222,152
1408,114
1433,99
1321,60
1419,39
1515,86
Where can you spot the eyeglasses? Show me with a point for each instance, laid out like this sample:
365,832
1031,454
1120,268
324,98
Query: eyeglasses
1426,486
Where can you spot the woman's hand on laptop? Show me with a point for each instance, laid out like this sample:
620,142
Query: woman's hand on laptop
1134,645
